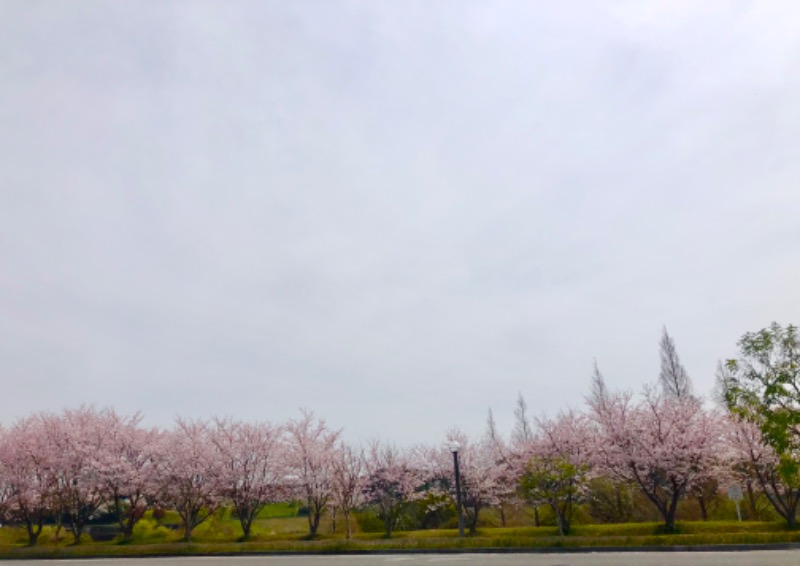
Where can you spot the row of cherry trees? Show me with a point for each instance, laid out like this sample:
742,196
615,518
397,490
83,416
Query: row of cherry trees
665,443
72,465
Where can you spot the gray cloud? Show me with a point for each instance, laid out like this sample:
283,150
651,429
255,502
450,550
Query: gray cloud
396,214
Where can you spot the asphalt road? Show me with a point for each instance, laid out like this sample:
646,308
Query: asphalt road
748,558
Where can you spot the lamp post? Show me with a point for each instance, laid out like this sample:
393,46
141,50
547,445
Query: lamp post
454,448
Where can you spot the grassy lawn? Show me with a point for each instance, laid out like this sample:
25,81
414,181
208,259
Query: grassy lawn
281,530
279,510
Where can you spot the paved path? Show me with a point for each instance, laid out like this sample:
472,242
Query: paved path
747,558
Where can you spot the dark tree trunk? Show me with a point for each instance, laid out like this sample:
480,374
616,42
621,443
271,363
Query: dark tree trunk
751,500
314,517
563,515
128,518
33,530
247,525
348,531
791,511
701,500
669,516
127,531
59,525
191,519
563,523
473,519
247,515
784,503
76,525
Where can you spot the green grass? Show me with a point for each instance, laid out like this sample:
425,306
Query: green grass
219,535
332,545
279,510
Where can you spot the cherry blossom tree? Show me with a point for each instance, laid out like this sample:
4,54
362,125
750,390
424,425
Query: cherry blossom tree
5,484
504,462
676,383
190,473
128,467
557,466
392,481
310,455
519,448
753,458
609,493
74,440
663,445
348,483
252,467
483,475
28,476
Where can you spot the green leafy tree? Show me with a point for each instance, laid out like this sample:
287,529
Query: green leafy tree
557,482
557,466
762,387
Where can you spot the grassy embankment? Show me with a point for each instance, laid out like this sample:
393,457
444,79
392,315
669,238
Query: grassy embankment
278,531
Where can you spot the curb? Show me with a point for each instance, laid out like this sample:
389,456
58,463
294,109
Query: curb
389,552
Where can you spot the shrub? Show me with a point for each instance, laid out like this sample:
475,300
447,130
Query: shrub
368,521
216,530
149,530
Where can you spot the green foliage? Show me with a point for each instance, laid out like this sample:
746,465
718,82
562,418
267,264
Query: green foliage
763,386
368,521
216,529
225,514
148,530
610,501
278,510
164,517
556,482
433,511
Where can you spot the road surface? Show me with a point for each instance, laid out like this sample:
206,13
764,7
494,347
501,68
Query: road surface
745,558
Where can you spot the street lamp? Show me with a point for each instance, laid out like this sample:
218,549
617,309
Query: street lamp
454,448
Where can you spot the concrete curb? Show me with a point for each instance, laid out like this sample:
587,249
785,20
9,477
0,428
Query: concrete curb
414,551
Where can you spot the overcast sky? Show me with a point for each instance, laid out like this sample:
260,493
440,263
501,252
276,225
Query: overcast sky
397,214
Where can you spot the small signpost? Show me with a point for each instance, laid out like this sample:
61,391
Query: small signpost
735,494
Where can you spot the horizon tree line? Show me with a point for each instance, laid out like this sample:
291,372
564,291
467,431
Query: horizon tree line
665,445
